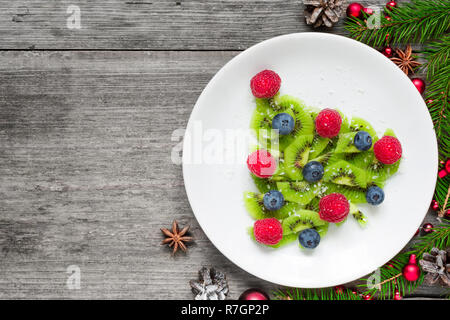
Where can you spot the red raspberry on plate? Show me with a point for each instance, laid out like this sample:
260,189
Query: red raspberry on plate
265,84
268,231
334,207
261,164
388,150
328,123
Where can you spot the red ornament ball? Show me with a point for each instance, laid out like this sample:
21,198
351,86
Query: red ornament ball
434,205
411,271
355,10
388,51
367,297
397,295
368,11
261,164
427,228
447,214
254,294
419,84
391,5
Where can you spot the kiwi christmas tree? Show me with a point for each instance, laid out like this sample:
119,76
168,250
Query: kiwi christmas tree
311,167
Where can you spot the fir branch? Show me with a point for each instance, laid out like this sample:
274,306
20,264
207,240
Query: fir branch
391,279
315,294
415,21
439,238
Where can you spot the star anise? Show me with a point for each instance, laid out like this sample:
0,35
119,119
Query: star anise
175,237
405,60
436,264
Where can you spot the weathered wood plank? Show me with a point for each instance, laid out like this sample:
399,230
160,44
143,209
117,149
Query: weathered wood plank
86,177
150,25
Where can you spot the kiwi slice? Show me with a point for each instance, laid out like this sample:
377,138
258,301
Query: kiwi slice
301,220
261,123
296,156
318,145
264,185
324,158
313,205
343,172
358,215
300,191
322,229
353,194
255,207
345,143
345,126
358,124
287,238
303,121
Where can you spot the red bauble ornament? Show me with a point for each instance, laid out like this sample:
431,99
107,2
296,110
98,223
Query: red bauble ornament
355,10
446,170
397,295
434,205
411,271
419,84
367,297
427,228
391,5
447,214
368,11
254,294
417,232
388,51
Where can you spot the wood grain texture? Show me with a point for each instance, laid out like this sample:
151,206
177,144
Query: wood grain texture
86,177
151,24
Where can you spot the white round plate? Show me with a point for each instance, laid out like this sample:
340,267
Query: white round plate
323,70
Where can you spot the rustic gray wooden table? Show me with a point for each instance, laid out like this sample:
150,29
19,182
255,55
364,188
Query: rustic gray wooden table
87,110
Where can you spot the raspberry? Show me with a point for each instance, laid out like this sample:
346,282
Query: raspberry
328,123
268,231
334,207
388,150
265,84
261,164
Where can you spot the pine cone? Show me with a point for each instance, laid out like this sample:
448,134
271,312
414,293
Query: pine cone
323,12
436,264
212,285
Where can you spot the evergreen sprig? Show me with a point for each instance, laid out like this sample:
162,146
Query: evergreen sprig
390,275
315,294
391,279
415,21
437,66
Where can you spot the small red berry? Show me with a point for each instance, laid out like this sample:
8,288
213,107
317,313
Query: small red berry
391,5
268,231
261,164
427,228
328,123
388,150
388,52
265,84
334,207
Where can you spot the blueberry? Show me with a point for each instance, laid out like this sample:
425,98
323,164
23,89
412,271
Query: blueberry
362,141
284,123
309,238
313,171
375,195
273,200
